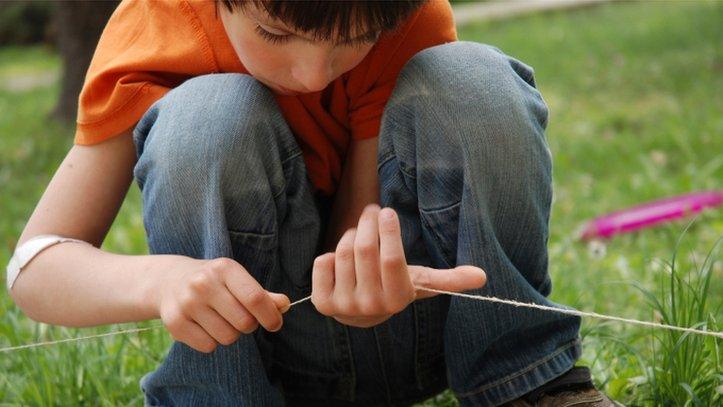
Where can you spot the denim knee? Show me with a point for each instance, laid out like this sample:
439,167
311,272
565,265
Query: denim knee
473,76
207,125
474,110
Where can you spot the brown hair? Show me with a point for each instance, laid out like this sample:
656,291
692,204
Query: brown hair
339,20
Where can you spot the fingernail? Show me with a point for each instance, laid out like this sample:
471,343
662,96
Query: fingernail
388,214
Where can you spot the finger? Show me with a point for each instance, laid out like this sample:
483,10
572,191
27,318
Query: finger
322,282
197,338
344,275
230,309
460,278
219,329
322,278
254,298
366,253
395,277
281,300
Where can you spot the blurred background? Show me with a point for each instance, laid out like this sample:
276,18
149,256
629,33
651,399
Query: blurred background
68,29
636,114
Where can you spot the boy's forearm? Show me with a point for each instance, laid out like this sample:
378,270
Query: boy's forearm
79,285
358,187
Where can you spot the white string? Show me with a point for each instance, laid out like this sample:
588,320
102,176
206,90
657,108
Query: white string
299,301
476,297
34,345
579,313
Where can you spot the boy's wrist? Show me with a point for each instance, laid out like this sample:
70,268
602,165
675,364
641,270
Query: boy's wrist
158,269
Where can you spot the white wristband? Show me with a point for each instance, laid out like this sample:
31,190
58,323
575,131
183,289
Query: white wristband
26,251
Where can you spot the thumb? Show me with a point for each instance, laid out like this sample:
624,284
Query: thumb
281,300
460,278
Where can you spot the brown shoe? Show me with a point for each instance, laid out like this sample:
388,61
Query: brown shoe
574,388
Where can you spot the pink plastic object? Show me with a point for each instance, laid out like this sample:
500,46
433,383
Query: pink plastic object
650,214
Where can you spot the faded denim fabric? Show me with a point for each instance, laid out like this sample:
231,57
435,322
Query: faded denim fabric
463,160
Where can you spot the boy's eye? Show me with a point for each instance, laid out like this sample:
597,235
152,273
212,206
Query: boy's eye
276,38
269,36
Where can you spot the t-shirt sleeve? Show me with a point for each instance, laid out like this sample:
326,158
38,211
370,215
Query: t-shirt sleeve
146,48
431,25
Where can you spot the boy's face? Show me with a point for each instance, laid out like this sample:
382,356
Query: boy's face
288,61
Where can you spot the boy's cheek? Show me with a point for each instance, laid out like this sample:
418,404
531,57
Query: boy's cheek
260,59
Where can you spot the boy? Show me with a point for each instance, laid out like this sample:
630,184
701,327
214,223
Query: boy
265,133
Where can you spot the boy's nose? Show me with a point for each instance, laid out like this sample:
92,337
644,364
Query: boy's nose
313,80
315,72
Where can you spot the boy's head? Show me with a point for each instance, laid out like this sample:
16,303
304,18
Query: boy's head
301,46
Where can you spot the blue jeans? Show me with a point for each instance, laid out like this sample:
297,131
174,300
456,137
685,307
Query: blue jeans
463,160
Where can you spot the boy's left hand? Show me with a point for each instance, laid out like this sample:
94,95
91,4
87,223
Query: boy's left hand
367,279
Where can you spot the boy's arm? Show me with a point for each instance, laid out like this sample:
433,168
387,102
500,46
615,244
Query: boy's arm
359,186
202,302
80,285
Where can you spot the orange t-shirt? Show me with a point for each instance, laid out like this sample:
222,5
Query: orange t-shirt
149,47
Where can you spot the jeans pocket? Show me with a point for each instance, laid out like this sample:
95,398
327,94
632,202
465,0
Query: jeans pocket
256,252
440,229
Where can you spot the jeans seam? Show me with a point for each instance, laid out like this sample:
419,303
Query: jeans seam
309,373
251,233
384,160
417,345
350,359
294,155
283,188
441,208
401,168
345,385
521,372
380,354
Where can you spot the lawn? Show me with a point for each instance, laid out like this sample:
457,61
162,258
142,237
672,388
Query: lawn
634,91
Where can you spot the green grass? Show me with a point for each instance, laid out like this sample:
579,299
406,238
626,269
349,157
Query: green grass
683,367
634,91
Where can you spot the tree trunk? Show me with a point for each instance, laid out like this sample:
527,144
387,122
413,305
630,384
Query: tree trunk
79,25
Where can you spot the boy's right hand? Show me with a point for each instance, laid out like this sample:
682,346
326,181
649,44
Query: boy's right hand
206,302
